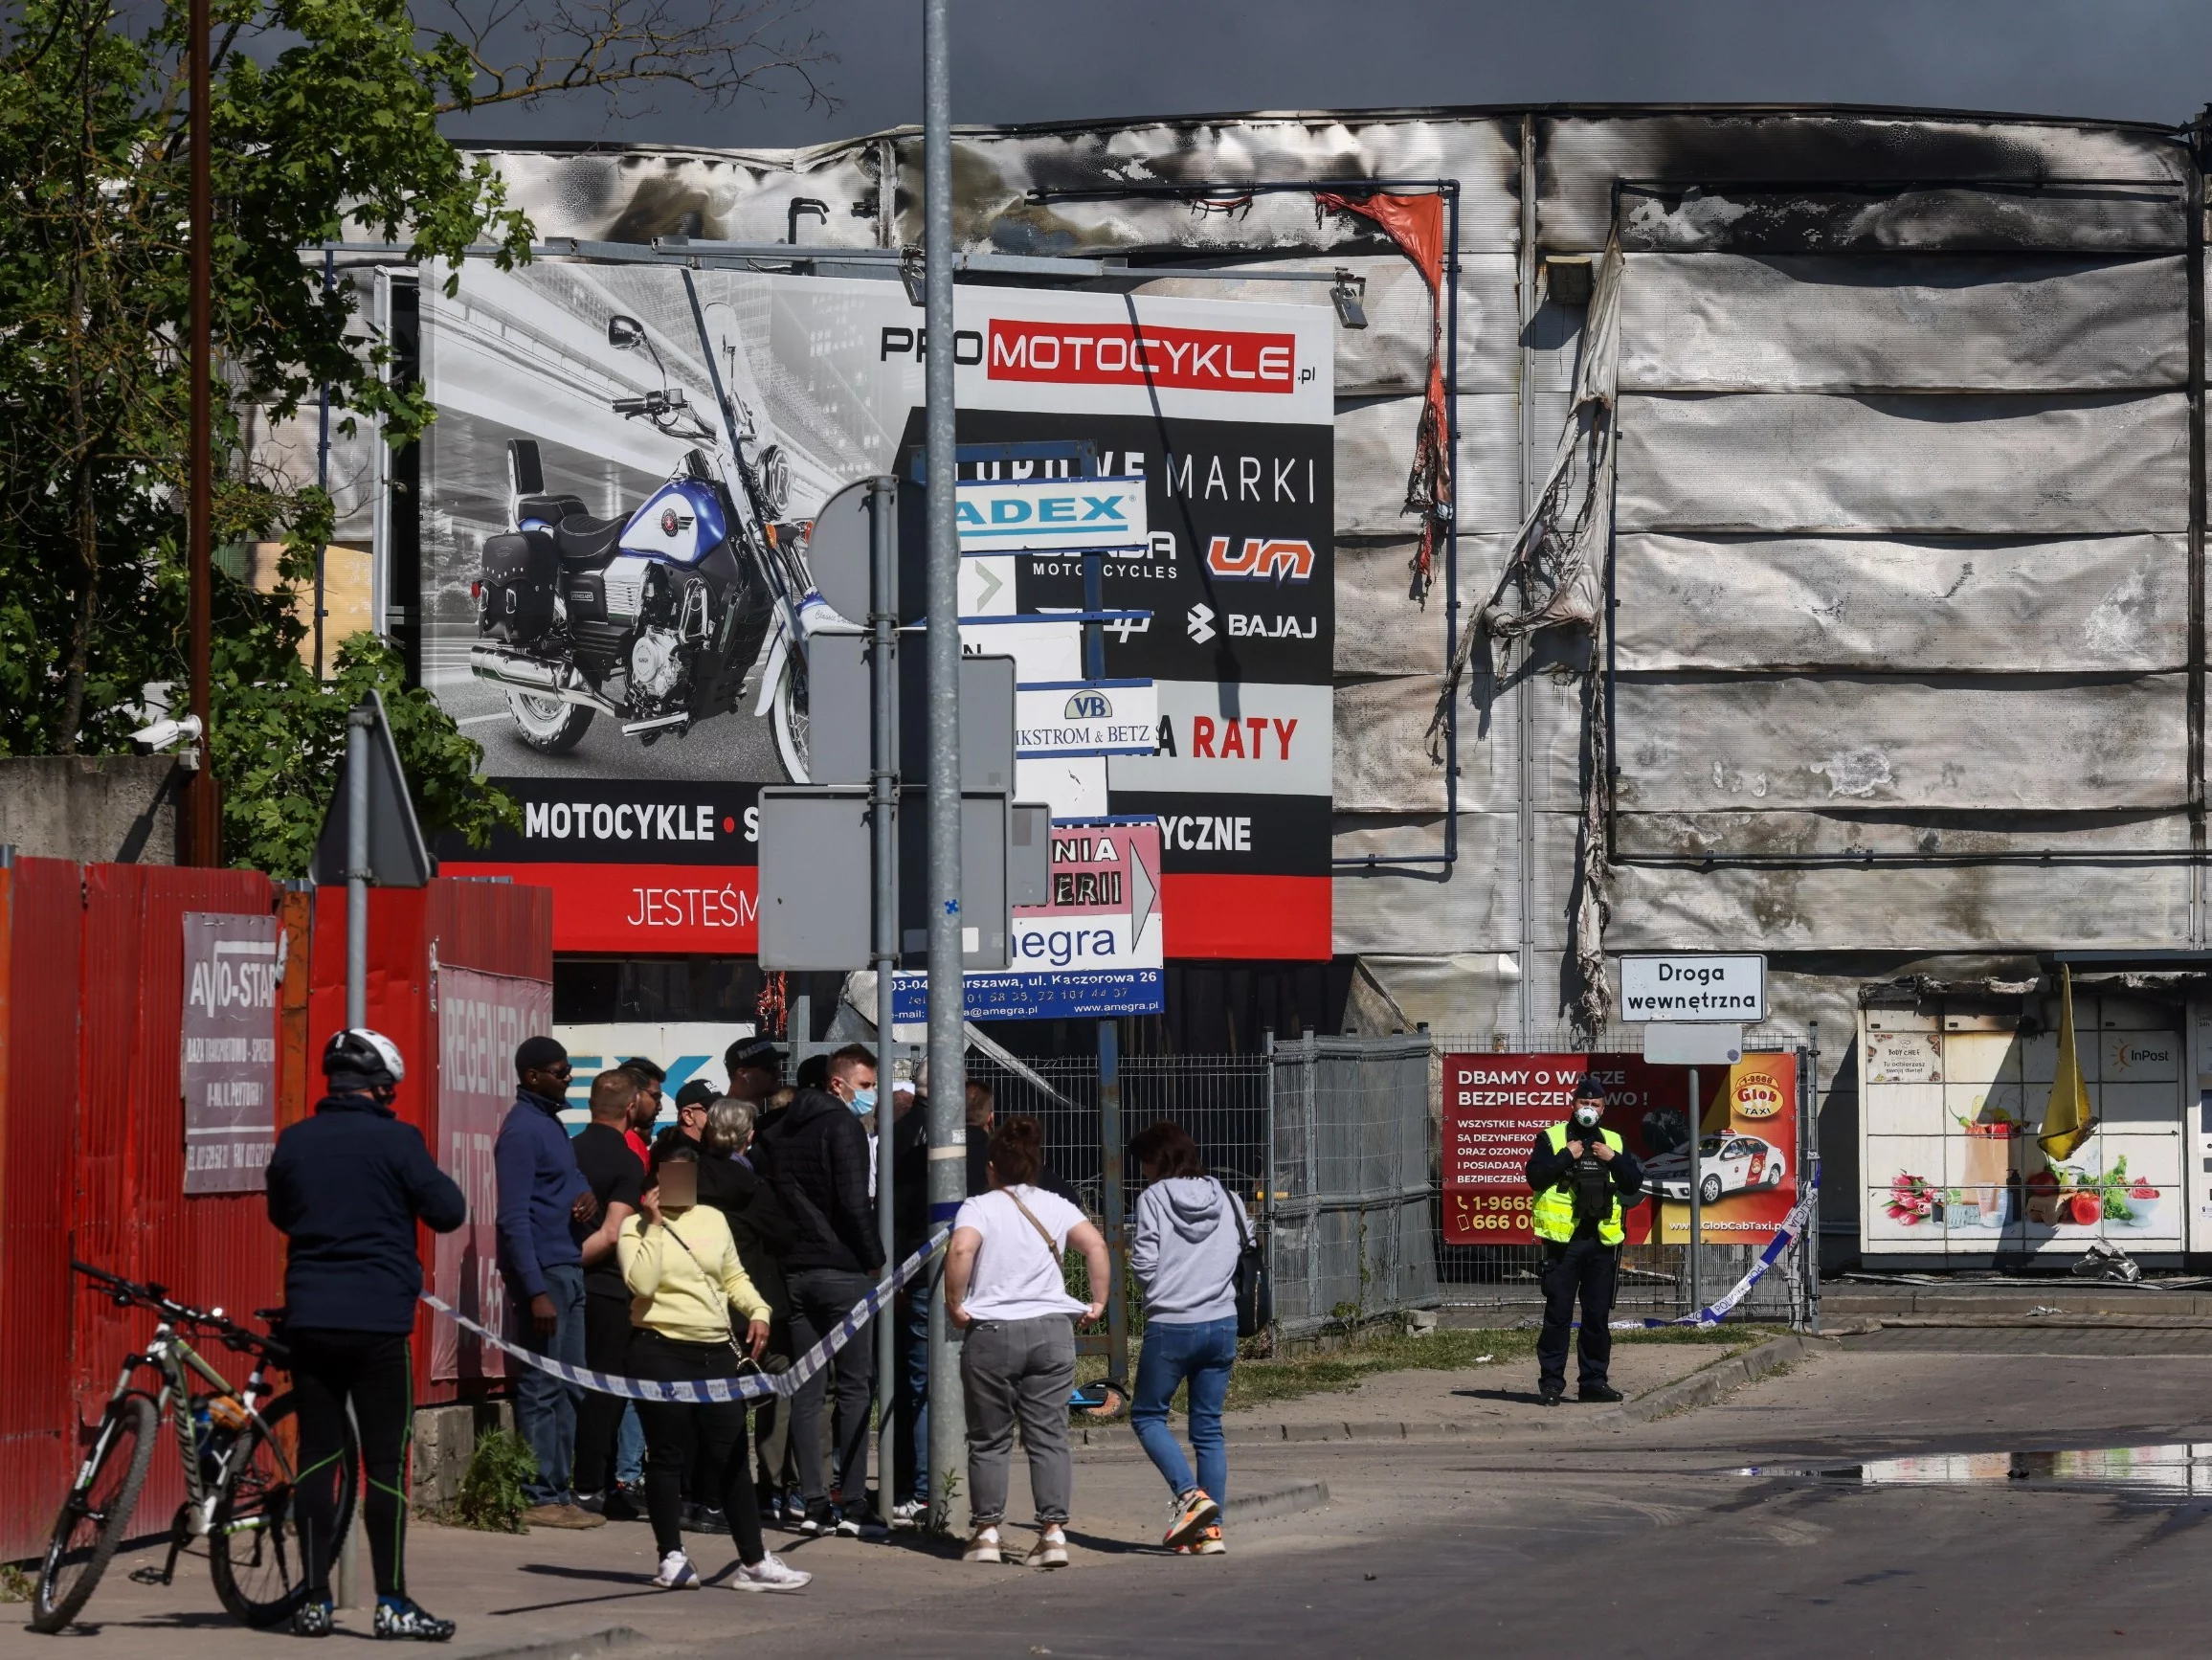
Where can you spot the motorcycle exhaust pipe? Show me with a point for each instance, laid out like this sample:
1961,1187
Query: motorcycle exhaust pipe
530,674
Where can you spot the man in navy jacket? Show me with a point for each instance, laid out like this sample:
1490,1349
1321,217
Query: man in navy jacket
347,1187
539,1190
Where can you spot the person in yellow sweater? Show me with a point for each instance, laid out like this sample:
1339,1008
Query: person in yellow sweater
681,1267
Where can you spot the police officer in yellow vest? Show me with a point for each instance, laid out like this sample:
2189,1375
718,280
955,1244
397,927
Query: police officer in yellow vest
1580,1172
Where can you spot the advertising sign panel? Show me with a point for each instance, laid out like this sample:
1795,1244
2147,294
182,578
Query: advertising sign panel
1496,1104
480,1020
228,1071
615,600
1093,952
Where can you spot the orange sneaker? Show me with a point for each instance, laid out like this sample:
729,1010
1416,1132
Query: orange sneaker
1208,1543
1192,1513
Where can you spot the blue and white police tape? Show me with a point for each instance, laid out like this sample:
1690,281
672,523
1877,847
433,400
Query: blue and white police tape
753,1386
1714,1313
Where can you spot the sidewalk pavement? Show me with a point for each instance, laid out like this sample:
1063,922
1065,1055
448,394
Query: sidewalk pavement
555,1595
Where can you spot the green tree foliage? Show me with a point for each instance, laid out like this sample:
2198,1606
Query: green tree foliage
326,123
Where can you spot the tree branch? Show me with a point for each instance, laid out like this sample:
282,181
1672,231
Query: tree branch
717,49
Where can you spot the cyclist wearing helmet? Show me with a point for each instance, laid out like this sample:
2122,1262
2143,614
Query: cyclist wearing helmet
346,1188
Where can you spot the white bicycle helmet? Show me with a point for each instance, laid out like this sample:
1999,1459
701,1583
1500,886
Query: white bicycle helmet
360,1059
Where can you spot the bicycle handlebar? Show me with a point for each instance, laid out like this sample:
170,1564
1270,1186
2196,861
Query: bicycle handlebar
150,1295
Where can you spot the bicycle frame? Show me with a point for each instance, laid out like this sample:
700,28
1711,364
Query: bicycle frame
179,1364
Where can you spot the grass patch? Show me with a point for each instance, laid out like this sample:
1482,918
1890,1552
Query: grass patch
15,1585
1256,1382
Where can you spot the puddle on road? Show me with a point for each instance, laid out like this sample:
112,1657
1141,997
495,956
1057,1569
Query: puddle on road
2172,1467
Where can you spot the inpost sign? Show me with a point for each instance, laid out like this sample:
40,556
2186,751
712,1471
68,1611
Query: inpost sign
1731,990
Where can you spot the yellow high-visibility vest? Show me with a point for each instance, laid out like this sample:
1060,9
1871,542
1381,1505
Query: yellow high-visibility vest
1553,1216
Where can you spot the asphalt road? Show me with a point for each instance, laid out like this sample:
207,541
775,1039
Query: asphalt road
1713,1533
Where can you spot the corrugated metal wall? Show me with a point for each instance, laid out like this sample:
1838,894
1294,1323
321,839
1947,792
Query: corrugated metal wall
92,1118
39,947
496,926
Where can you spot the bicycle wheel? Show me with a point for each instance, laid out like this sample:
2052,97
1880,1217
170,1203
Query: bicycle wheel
96,1513
254,1544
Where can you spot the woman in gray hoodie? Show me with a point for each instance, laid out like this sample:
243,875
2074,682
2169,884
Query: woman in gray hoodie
1190,1230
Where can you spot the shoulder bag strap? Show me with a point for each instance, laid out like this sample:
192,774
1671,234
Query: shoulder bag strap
1236,1215
729,1326
1044,1233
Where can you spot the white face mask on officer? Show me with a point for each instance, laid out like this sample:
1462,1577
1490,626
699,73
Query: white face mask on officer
1587,1113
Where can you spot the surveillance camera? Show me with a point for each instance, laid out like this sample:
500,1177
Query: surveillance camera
165,734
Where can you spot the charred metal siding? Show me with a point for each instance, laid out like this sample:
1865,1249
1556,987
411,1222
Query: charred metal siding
1911,444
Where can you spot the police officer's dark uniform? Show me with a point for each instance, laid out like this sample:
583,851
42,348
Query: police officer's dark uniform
1580,1172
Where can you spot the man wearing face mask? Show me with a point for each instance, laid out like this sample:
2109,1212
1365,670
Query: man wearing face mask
819,1158
1579,1172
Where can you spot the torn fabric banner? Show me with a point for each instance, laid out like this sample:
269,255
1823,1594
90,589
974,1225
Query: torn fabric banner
1716,1311
753,1386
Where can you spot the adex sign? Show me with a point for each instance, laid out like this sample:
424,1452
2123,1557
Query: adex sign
1722,990
1051,515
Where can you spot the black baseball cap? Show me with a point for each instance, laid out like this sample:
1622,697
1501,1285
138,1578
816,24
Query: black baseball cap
699,1093
1588,1089
754,1051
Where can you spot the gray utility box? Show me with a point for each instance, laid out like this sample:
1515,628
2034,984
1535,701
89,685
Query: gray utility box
840,709
815,878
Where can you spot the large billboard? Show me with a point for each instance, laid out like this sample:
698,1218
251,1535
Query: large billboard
617,498
1496,1104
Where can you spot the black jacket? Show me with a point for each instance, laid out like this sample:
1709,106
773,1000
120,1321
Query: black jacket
347,1187
818,1156
759,1224
1547,1169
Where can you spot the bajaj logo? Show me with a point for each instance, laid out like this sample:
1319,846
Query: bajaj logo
1089,706
1200,623
1260,559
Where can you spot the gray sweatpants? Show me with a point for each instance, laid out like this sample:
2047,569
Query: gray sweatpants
1018,1372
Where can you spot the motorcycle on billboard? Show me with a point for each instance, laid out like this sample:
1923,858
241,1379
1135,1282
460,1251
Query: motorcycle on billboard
657,619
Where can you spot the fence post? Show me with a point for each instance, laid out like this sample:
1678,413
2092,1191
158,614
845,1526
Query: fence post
1266,1208
1809,1175
1112,1145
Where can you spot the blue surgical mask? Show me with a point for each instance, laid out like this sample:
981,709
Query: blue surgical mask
863,1101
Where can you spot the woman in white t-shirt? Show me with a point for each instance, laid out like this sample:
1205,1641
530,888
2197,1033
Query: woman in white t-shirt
1005,1290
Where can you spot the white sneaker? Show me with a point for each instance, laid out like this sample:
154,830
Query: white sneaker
677,1574
771,1574
983,1547
909,1516
1050,1550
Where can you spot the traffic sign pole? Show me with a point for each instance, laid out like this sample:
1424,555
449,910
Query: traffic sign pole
948,998
883,858
1696,1189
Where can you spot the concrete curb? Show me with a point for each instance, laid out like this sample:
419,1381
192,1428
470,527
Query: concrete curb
615,1639
1299,1495
2061,1322
1704,1387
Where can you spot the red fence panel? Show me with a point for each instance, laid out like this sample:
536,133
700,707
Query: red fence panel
39,945
131,1212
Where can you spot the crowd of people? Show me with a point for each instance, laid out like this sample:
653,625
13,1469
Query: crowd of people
730,1244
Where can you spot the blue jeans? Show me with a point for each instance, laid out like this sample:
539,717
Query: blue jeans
546,1408
630,1449
910,1393
1203,1354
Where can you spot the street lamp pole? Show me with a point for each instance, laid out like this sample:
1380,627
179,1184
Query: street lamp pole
203,806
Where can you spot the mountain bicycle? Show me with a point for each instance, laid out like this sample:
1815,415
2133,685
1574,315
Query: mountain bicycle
238,1449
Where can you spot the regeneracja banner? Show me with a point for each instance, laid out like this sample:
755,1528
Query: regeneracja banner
615,501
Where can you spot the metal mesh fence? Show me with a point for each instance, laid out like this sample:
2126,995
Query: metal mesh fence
1350,1190
1500,1280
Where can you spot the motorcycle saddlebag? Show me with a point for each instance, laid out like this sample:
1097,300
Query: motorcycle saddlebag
522,574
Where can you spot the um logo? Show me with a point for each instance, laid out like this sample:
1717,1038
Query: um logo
1260,559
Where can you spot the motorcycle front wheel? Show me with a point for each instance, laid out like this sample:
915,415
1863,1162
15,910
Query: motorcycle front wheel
549,725
789,716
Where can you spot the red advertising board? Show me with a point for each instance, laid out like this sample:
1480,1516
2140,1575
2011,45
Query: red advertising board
1496,1104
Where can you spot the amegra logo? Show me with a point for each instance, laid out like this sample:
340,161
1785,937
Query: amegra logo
1118,354
1260,559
